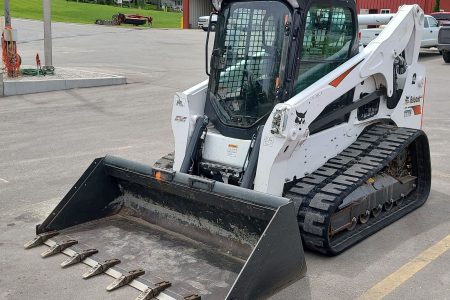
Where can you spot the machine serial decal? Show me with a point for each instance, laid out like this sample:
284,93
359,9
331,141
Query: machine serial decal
408,112
180,118
268,141
314,96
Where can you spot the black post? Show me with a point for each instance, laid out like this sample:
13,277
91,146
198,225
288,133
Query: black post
194,143
7,14
250,171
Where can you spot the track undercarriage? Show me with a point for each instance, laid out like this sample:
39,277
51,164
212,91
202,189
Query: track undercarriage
381,177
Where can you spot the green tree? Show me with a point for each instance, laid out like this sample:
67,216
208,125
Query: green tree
139,3
437,6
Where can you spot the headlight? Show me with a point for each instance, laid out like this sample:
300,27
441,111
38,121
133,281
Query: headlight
217,4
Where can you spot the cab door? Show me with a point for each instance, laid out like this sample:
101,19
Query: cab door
425,34
433,27
430,32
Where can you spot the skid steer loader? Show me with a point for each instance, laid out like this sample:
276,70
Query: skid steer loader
299,137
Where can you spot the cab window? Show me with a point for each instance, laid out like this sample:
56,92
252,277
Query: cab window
432,22
329,33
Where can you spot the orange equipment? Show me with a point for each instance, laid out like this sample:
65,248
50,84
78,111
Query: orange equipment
11,59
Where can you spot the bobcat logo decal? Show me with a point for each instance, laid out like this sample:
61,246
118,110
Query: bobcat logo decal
300,119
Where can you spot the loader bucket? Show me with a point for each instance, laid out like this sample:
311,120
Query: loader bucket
176,236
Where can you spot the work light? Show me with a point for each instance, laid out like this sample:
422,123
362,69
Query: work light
217,4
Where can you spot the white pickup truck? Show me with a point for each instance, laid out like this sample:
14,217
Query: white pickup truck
429,35
203,22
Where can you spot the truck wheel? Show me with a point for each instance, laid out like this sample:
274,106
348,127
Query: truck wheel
446,56
205,28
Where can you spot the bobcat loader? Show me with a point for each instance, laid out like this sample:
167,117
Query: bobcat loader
300,137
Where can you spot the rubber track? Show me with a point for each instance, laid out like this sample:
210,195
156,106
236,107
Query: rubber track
321,192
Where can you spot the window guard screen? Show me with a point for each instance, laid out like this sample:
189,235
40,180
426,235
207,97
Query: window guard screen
251,37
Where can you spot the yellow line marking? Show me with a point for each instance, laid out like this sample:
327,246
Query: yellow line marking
394,280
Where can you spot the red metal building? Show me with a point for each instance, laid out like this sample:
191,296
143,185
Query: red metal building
192,9
391,6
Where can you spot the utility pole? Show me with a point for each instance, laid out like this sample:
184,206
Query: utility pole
7,13
7,21
47,33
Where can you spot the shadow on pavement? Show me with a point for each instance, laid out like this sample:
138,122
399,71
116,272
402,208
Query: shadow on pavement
427,54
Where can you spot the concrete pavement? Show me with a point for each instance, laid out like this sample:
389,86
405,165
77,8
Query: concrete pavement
47,140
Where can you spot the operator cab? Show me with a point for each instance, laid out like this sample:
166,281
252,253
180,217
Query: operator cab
267,51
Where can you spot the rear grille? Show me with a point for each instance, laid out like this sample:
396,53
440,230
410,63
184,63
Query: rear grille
444,35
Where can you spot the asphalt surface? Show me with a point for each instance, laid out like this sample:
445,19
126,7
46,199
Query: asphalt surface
47,140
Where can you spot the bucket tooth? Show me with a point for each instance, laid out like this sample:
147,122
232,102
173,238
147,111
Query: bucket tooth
125,279
192,297
40,239
151,293
78,257
58,248
101,267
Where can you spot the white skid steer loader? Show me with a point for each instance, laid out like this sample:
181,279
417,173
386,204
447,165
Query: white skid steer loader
299,137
